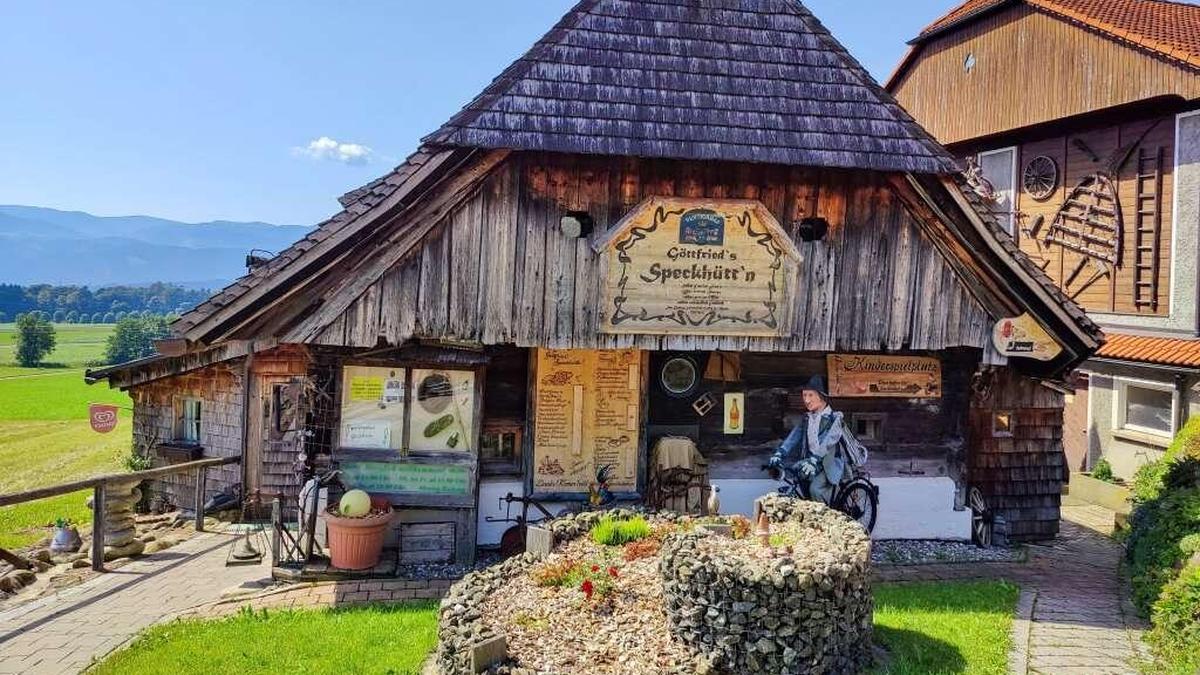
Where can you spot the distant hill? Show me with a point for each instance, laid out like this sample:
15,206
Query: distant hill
40,245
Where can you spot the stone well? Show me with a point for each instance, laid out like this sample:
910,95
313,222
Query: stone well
753,609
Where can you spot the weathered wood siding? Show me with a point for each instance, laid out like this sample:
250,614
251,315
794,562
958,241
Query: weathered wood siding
1153,135
1029,68
1021,475
219,389
497,269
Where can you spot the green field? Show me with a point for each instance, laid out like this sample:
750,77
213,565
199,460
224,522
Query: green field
44,432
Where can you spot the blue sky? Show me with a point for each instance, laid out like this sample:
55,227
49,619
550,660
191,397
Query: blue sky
217,110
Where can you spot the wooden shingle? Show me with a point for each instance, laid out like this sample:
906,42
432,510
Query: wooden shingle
739,80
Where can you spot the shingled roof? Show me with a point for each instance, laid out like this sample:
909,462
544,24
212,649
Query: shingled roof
739,80
1169,29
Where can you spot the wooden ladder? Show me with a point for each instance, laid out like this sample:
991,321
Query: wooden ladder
1147,228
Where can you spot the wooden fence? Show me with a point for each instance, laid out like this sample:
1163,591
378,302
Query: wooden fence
99,485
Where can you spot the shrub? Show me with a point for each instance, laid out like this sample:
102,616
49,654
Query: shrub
35,339
1152,478
1103,471
556,573
1175,635
613,532
740,526
1157,530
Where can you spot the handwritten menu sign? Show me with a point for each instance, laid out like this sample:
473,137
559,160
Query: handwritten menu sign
877,375
698,267
586,417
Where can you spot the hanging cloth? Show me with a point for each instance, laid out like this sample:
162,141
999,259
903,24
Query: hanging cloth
724,367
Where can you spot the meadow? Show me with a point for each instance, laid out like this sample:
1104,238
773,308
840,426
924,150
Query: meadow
44,433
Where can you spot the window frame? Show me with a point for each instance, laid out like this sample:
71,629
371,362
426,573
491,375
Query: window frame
1009,220
1121,403
187,423
491,466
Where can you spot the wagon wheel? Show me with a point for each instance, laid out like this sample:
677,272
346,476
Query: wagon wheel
1040,177
981,519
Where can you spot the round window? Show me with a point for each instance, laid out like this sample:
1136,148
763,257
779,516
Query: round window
679,376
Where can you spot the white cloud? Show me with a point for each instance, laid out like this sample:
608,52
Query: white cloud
326,148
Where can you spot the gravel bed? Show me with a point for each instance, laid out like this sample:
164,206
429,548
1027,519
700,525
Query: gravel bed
424,571
556,630
928,551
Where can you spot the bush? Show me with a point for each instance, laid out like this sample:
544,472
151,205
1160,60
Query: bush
35,339
1103,471
613,532
134,338
644,548
1175,635
1157,530
1150,479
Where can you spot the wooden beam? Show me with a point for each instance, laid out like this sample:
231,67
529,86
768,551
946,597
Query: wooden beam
417,223
206,329
74,486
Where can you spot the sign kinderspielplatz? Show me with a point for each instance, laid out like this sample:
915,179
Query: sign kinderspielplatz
697,267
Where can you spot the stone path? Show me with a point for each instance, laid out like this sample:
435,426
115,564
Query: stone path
64,632
1072,616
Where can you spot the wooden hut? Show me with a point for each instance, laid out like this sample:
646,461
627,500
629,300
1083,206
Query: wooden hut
657,223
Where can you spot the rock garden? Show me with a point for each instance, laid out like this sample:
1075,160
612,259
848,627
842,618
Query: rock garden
629,592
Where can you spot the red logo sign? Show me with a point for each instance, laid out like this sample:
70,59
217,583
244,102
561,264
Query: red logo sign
102,417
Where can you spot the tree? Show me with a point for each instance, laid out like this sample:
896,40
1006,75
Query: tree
134,338
3,317
20,315
120,316
35,339
109,317
59,316
72,317
96,317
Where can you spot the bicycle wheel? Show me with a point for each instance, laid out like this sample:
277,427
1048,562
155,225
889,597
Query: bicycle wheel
860,502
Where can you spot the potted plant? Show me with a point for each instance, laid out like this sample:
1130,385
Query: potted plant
66,537
356,526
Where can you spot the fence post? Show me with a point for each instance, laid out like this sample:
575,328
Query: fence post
201,478
98,527
276,524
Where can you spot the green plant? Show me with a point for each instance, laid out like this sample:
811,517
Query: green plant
1103,471
613,532
1151,479
556,573
63,523
1175,634
134,338
136,460
739,526
1157,530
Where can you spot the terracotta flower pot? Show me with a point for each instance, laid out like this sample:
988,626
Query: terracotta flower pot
355,543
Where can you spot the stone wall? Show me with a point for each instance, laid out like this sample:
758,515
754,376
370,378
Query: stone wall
805,611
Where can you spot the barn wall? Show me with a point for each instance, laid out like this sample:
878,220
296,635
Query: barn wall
1029,68
219,388
498,270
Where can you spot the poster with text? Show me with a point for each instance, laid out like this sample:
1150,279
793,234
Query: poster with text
372,408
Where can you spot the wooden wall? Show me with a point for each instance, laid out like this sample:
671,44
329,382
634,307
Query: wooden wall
1154,135
1021,475
219,389
1029,68
498,270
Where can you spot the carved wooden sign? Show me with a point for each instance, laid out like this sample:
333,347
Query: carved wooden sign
878,375
697,267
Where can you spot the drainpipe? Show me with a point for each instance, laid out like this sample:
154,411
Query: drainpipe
1181,394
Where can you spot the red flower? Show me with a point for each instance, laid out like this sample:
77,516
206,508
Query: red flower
595,568
588,589
612,572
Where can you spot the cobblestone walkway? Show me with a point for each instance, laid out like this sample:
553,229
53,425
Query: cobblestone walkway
1072,619
64,632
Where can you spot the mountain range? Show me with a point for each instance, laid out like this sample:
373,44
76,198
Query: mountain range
41,245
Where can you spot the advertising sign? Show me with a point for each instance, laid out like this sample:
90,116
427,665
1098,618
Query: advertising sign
879,375
102,417
1023,336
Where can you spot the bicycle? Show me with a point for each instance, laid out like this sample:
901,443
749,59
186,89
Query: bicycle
856,496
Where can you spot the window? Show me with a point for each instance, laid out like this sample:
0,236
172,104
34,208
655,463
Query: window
1145,406
999,167
867,426
1002,424
189,421
500,446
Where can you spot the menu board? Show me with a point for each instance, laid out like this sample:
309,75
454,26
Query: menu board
372,408
877,375
586,417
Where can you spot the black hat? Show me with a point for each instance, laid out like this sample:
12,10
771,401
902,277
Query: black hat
816,383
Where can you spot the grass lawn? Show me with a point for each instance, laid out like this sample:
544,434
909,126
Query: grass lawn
933,628
930,629
44,433
76,343
371,639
